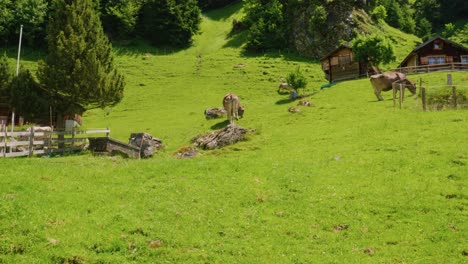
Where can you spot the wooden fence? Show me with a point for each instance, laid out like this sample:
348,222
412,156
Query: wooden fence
433,68
29,143
400,87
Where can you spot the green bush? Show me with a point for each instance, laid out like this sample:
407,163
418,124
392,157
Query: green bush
296,79
379,12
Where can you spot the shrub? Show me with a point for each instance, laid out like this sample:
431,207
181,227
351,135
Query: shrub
379,12
296,79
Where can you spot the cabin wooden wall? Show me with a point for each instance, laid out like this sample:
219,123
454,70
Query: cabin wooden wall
341,65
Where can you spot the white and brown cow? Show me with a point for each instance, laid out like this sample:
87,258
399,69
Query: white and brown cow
233,108
383,82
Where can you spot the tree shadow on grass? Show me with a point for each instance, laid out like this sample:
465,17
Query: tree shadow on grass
224,13
137,47
285,101
27,53
220,125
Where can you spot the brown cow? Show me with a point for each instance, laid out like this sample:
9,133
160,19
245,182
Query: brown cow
383,82
233,108
285,86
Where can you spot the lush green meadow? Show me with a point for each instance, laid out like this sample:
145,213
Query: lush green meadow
349,180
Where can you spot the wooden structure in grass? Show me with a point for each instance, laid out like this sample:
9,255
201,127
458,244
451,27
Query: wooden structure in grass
434,53
339,65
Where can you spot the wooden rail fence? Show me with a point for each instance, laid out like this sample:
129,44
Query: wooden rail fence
29,143
433,68
399,87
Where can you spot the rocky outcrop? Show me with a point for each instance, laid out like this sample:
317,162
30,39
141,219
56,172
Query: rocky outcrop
147,144
213,113
220,138
315,40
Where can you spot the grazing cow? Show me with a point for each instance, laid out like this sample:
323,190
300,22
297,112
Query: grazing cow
383,82
285,86
233,108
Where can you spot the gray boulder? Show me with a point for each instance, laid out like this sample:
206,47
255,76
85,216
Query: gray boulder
147,144
213,113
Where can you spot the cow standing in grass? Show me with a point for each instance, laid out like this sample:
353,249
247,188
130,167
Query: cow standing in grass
383,82
233,108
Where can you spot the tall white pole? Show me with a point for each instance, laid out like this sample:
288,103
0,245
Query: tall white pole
17,72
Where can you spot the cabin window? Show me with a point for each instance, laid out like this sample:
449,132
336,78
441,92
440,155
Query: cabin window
438,45
436,60
464,59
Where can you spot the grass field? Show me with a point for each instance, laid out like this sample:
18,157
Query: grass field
350,180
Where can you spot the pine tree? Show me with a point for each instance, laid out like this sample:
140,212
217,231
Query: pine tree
79,69
6,75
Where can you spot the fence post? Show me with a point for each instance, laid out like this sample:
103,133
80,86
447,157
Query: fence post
31,142
401,95
72,139
49,145
394,94
423,97
5,140
454,95
107,133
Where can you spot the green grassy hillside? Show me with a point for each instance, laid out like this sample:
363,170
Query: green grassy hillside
350,180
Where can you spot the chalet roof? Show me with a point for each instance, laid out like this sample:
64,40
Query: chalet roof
415,50
335,50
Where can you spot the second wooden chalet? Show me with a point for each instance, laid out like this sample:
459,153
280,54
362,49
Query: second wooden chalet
435,52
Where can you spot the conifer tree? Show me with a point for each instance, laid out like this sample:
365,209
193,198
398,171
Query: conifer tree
79,67
6,75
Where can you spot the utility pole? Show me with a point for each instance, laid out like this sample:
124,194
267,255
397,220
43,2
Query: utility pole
17,72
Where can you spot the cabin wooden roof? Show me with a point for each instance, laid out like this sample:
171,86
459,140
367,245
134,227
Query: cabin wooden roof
331,53
415,50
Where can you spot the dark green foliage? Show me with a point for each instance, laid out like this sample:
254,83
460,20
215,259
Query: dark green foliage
461,36
79,66
31,14
6,19
373,50
318,19
6,75
424,29
28,98
399,15
297,79
211,4
119,17
170,22
427,10
449,30
266,24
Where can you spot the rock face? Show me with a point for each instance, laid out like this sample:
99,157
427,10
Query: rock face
220,138
213,113
147,144
314,40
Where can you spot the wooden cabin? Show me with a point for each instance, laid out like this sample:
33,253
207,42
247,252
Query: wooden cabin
339,65
436,51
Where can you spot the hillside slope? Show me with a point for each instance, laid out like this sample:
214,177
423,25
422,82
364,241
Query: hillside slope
350,180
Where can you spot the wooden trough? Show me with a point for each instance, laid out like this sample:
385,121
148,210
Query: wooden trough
107,145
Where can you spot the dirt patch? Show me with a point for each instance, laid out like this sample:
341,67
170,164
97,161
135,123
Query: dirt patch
341,227
187,152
